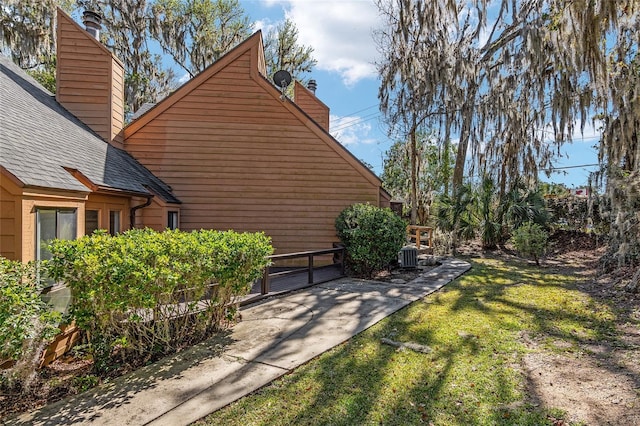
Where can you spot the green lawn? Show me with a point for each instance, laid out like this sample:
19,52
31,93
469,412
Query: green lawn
474,326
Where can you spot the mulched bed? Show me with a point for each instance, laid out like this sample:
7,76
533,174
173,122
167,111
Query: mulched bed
63,377
564,241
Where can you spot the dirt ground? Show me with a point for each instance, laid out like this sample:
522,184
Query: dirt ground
599,384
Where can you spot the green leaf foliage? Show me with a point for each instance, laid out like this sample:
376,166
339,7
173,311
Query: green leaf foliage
196,33
372,237
434,168
457,214
46,76
27,323
530,240
144,293
24,316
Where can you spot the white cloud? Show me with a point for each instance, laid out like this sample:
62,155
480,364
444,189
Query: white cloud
485,32
351,130
265,25
340,32
185,77
590,132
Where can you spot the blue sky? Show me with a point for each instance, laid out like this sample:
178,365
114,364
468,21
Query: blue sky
340,31
341,34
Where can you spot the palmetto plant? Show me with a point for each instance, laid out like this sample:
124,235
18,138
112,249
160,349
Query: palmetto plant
489,219
478,210
521,205
455,214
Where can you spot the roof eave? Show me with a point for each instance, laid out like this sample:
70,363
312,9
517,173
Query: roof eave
122,192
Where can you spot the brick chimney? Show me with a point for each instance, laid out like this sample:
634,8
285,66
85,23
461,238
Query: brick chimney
306,99
89,78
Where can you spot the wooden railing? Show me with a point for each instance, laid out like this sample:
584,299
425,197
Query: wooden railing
415,231
309,255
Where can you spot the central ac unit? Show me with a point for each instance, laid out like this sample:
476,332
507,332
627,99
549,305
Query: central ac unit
408,257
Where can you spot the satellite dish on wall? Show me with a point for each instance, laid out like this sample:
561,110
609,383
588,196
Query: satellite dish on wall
282,79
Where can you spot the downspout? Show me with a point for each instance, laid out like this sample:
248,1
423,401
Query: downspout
132,212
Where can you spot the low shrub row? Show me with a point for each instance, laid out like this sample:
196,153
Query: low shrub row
144,293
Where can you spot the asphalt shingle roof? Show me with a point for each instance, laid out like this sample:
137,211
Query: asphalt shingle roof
38,138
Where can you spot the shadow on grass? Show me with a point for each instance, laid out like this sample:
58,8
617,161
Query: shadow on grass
471,376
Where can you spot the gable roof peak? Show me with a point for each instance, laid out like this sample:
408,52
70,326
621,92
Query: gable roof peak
253,42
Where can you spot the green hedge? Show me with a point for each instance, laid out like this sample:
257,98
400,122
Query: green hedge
143,293
27,323
372,237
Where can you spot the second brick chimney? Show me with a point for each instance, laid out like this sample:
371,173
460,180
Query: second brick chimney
306,99
89,78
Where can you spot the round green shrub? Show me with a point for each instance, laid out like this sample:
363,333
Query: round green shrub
530,240
371,235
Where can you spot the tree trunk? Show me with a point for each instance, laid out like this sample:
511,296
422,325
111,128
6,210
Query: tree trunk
445,162
414,176
458,170
467,117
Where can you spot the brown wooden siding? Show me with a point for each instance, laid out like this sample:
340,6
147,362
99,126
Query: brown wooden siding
385,198
152,217
156,215
117,101
69,335
311,105
89,80
239,159
9,224
106,203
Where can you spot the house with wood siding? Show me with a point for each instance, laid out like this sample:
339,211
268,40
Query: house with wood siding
63,172
224,151
240,155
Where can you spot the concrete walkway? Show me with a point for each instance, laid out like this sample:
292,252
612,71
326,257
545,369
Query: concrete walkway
273,338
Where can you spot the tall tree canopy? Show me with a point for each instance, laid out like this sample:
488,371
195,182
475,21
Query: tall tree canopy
515,80
195,33
283,52
27,35
128,36
27,30
434,171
